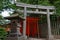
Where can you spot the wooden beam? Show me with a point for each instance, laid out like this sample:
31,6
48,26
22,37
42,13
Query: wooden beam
34,6
35,12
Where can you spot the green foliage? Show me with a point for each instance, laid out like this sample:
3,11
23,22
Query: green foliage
44,2
6,4
3,21
1,17
53,18
1,5
40,2
57,5
3,33
13,6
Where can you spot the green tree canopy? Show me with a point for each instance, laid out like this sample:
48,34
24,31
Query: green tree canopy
7,4
40,2
56,3
3,21
4,4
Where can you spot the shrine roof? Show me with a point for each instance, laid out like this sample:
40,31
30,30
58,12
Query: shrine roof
15,16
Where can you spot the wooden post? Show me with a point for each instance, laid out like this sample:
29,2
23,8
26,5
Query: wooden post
24,24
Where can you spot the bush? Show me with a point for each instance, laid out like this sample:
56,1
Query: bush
3,34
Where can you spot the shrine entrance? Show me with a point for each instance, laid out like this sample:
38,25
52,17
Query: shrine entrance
36,27
32,26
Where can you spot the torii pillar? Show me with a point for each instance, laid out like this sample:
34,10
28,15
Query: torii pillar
50,36
24,24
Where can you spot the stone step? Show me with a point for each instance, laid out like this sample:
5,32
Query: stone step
22,38
35,39
11,38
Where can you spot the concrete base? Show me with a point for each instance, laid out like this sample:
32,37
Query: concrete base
57,36
40,39
11,38
22,38
50,38
35,39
